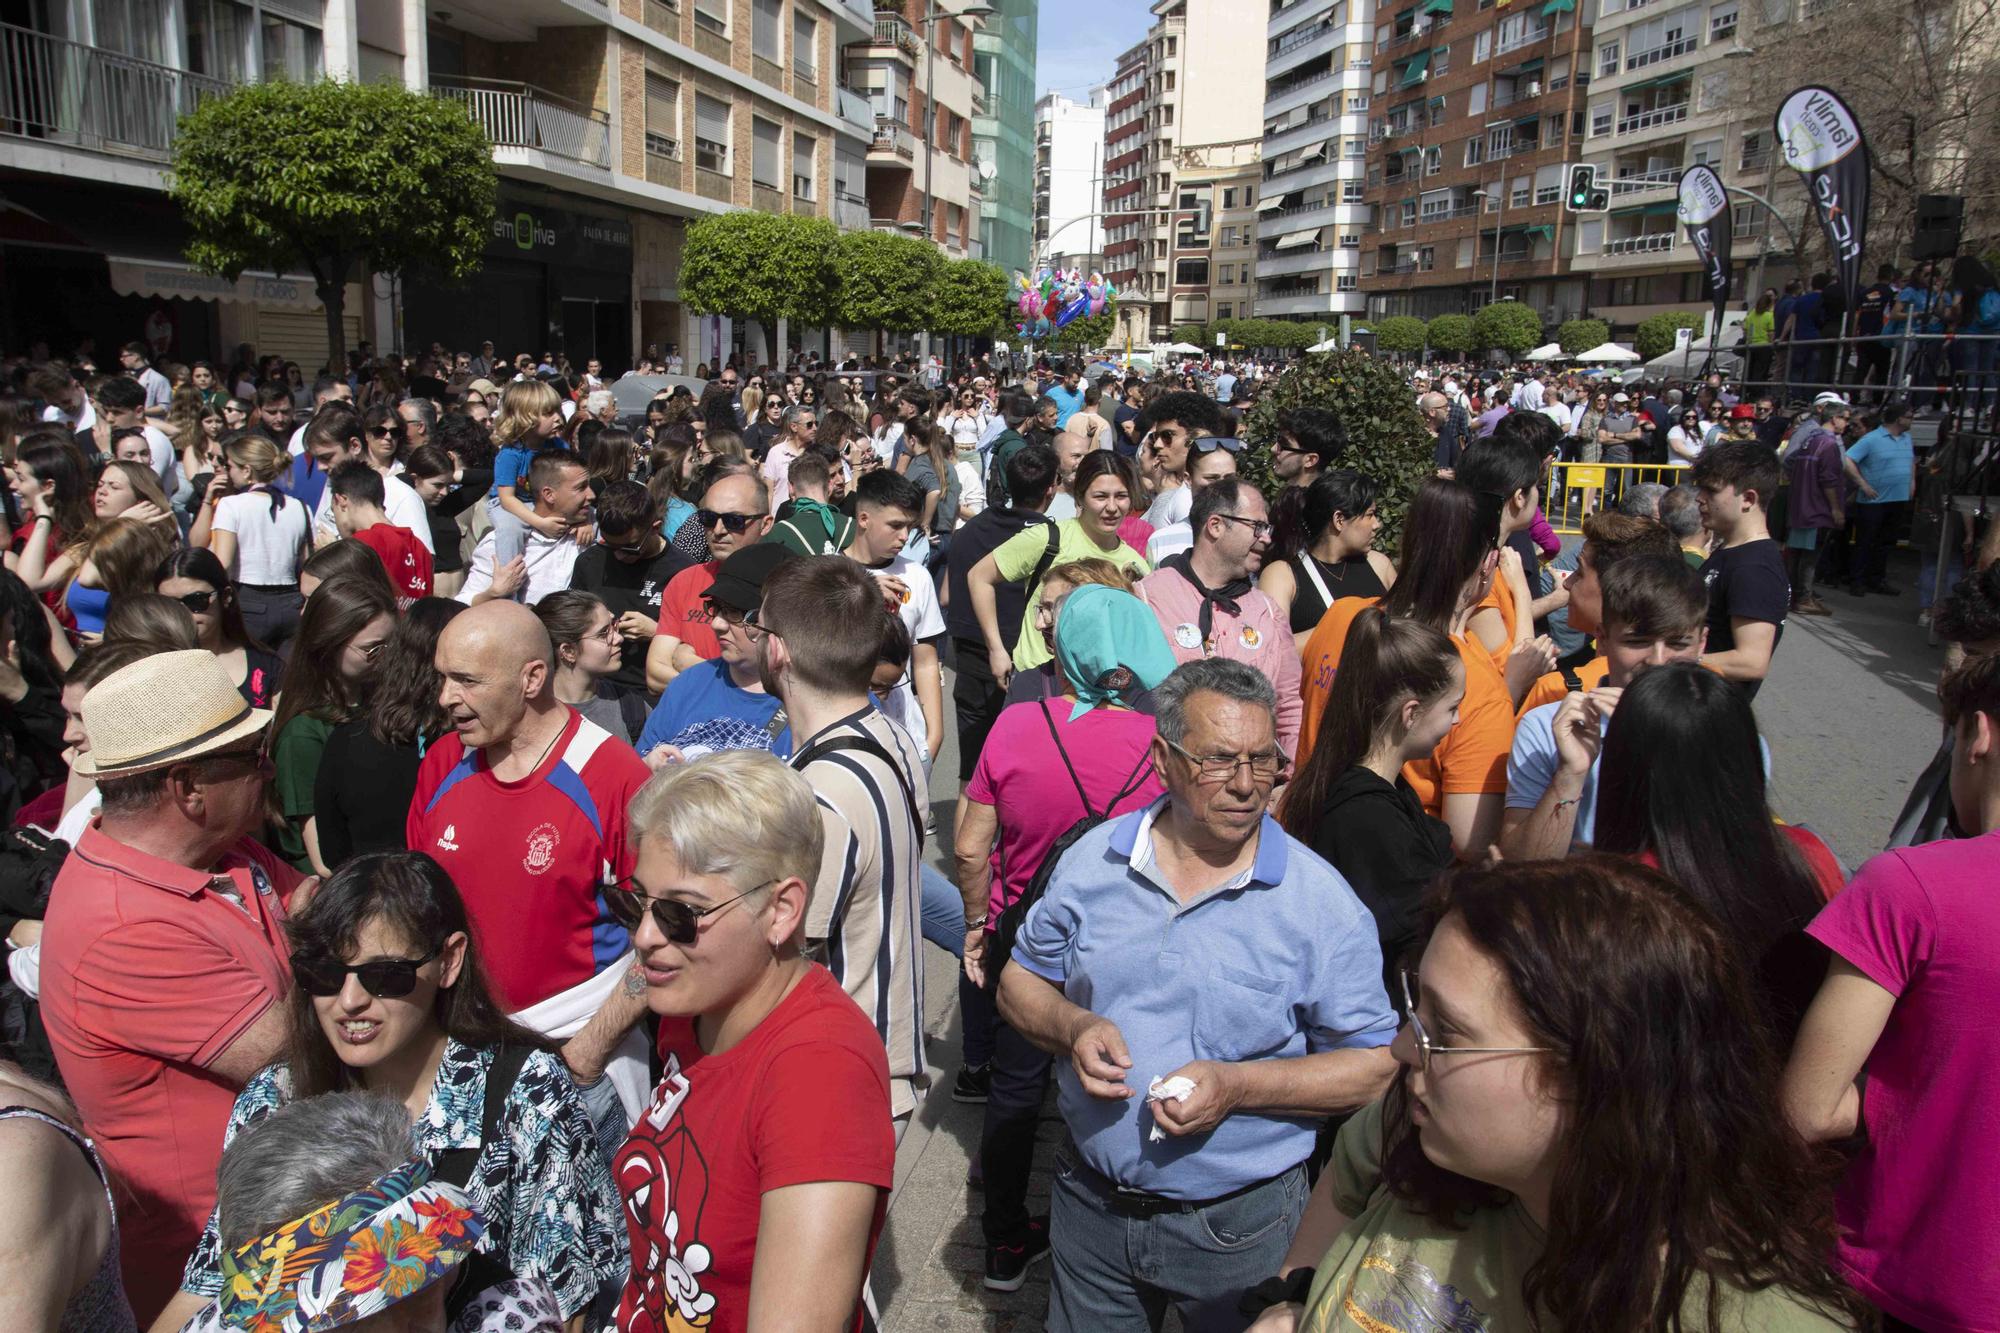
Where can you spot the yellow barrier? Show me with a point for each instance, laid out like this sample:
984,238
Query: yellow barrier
1577,490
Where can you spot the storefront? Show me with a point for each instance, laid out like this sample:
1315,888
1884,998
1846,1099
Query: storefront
557,278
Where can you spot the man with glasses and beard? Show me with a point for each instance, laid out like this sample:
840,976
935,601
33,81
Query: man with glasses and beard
735,512
629,569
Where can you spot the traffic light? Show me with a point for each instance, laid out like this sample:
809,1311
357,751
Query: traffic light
1584,194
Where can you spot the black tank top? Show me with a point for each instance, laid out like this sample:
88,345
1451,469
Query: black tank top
1320,585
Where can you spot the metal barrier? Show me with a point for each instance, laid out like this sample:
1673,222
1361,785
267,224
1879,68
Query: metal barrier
1578,490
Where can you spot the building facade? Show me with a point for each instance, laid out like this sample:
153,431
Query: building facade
1069,172
1214,232
1003,124
613,126
1312,216
1476,111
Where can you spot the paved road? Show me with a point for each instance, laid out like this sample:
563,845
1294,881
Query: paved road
1851,717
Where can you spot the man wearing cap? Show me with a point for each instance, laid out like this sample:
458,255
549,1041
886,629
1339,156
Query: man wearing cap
722,704
163,952
1618,432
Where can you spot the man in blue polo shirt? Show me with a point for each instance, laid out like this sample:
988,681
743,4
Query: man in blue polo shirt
1214,990
1068,395
1888,465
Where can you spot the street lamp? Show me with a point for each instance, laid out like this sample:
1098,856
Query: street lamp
976,10
1493,289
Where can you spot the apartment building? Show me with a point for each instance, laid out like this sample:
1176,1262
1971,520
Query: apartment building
1312,213
915,69
1183,85
613,125
1069,171
1003,130
1214,232
1476,109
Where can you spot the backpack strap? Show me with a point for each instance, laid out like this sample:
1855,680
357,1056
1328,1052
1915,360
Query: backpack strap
1048,556
868,744
1075,781
490,1268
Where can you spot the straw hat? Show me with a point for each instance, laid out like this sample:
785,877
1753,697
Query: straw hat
169,708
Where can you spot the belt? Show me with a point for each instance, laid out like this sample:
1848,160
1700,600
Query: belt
1127,1201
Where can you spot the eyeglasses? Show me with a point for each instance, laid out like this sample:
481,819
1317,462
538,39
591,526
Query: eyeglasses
372,650
1208,444
680,922
753,620
1259,528
384,978
736,523
635,547
1426,1048
197,602
1264,766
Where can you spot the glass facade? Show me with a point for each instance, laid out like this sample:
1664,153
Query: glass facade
1004,51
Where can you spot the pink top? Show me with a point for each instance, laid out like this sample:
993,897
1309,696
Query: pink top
1261,636
1544,536
1918,1211
1135,531
1022,777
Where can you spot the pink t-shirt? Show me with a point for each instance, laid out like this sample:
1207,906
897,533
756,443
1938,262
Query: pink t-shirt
1918,1210
1022,777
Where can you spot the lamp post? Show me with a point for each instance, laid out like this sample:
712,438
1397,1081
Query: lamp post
1493,288
926,26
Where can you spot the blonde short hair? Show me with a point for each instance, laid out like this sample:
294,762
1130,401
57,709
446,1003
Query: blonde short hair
743,814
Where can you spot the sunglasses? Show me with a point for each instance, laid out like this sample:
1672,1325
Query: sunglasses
680,922
197,602
384,978
736,523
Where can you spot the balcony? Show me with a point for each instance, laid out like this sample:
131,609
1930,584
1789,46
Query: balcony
854,109
1658,242
1283,96
522,116
1450,214
1656,54
1527,38
1652,120
850,212
1298,135
893,138
69,95
1755,160
894,30
1644,182
1294,303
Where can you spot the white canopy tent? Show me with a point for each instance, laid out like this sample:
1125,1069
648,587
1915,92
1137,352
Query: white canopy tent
1546,352
1609,354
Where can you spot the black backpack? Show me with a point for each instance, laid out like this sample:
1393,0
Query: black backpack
1009,925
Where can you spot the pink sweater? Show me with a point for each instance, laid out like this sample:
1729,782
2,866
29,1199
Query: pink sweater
1259,636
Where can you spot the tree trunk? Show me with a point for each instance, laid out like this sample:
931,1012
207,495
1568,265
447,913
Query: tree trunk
331,288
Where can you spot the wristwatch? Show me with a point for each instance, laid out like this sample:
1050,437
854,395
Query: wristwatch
979,923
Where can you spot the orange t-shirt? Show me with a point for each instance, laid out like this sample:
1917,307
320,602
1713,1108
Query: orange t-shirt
1499,597
1552,688
1472,758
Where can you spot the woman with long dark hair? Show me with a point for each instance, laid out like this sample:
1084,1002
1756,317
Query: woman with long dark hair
1584,1133
194,578
1393,701
48,481
367,773
1338,558
345,628
391,999
31,712
1681,785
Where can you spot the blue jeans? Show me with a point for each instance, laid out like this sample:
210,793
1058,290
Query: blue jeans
1115,1272
944,926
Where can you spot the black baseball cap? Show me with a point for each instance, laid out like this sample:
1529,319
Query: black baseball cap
739,580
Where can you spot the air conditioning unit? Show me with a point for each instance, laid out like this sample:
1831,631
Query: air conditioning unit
1534,88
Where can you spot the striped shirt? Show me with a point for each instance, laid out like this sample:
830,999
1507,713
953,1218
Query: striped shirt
865,922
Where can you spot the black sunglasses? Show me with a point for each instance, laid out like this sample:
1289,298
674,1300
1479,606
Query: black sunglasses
1208,444
384,978
197,602
680,922
736,523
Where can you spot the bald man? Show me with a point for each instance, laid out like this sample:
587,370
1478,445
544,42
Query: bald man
523,803
1070,447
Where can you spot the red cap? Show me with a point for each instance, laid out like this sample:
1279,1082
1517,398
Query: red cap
1743,412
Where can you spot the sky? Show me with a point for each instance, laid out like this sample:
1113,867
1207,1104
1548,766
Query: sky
1072,57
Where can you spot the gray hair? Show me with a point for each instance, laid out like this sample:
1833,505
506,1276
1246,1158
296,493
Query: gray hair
1642,500
304,1156
790,420
597,400
426,411
1680,510
1218,675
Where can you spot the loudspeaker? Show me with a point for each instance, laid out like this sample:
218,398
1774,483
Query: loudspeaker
1940,219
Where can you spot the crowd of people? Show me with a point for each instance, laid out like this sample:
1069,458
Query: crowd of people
473,854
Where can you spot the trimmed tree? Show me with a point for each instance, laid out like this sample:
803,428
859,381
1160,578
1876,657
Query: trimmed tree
760,266
1400,333
1449,333
1507,325
1655,336
885,281
1386,438
1084,332
1580,335
970,299
329,178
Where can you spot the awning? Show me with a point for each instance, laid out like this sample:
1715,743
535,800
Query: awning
1436,101
1292,240
1668,209
1533,118
148,277
1542,231
1554,7
1659,82
1413,68
1529,66
1270,204
1434,7
1403,14
1310,154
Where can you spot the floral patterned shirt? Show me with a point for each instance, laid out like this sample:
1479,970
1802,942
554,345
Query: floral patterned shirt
543,1185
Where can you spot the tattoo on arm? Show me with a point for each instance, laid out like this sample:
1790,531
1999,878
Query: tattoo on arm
635,980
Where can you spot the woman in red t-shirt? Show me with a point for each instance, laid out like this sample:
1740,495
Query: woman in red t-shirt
1681,786
756,1182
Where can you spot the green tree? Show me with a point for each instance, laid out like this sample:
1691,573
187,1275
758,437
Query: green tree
1194,335
1580,335
1507,325
1386,438
970,298
1449,333
885,281
1656,335
760,266
1399,333
1084,332
331,178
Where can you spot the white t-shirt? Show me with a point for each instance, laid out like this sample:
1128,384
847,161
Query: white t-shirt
82,422
268,547
924,620
163,458
402,504
551,561
966,428
1171,507
887,441
971,487
1170,540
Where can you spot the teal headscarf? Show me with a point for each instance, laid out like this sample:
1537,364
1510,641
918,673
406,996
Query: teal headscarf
1110,646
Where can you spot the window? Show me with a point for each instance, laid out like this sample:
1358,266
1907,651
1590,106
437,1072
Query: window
1357,101
805,44
1441,60
1191,272
1477,105
1354,148
1517,196
1343,282
1607,58
663,116
765,138
1433,160
291,50
1482,45
1229,235
1475,151
1350,241
1708,151
712,15
1350,192
1229,198
803,151
767,29
1222,311
1228,275
1600,120
1722,19
1756,154
711,134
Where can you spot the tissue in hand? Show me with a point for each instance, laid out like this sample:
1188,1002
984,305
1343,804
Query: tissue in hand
1166,1089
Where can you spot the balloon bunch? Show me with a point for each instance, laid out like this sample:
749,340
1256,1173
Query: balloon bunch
1053,297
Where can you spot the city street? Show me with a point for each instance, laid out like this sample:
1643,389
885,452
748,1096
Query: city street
1850,715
